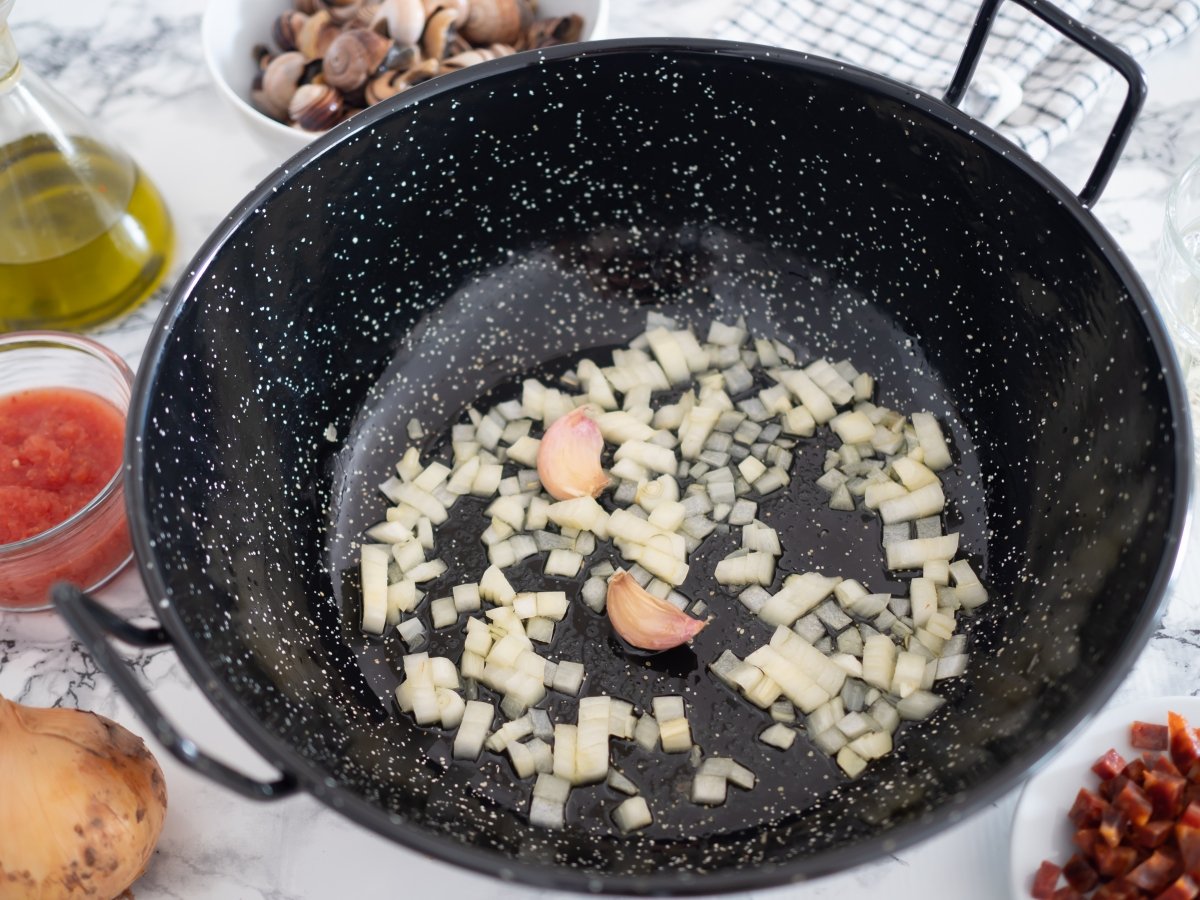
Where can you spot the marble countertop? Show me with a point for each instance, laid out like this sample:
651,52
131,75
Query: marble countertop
137,67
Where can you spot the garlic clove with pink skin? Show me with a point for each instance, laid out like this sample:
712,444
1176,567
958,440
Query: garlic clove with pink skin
568,460
644,620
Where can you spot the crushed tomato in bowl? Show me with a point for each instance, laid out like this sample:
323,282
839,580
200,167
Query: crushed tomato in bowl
59,448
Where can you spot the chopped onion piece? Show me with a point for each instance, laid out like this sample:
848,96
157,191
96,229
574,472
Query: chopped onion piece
879,661
632,815
841,499
619,782
807,392
779,736
925,501
675,735
726,335
472,731
918,705
494,587
546,813
709,790
442,612
412,632
568,677
968,590
389,533
850,762
852,427
937,571
908,674
563,562
582,513
799,594
374,566
667,350
827,378
933,443
914,553
912,474
951,666
595,593
646,733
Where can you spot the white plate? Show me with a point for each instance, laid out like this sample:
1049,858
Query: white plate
1040,828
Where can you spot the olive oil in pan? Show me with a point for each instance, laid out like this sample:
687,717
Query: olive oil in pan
83,237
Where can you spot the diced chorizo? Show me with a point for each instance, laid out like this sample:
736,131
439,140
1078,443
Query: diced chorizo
1080,874
1088,809
1147,736
1134,803
1113,862
1152,834
1184,746
1159,870
1184,888
1165,792
1109,765
1045,881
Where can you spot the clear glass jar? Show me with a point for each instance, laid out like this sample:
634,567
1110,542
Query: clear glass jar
92,545
1179,279
84,235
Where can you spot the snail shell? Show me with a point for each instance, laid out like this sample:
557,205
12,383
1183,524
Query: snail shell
316,107
403,20
316,35
279,82
364,15
400,57
556,30
462,60
354,56
286,29
423,71
308,7
439,33
383,86
389,84
432,6
261,54
476,55
497,21
340,11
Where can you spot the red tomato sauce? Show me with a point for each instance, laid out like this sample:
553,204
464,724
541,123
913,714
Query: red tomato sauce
59,447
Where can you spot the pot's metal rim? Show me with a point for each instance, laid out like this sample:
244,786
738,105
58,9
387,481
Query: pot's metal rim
802,869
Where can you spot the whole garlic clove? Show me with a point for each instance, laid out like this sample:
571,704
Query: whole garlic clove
568,460
644,620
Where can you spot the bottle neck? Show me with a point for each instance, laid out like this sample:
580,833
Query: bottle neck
10,61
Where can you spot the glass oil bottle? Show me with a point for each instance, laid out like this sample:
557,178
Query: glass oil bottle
84,235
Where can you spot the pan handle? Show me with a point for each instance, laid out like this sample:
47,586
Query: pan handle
1135,94
94,624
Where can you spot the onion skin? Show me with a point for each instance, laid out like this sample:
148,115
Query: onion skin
645,621
82,804
568,460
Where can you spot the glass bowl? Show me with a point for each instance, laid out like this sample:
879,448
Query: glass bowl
92,545
1179,280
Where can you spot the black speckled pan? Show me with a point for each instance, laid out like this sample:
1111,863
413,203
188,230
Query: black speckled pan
520,213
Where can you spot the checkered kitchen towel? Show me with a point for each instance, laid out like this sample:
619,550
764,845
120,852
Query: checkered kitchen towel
1033,85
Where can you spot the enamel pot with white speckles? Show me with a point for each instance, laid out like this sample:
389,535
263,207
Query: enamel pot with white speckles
437,248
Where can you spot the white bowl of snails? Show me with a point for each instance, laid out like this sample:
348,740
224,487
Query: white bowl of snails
432,37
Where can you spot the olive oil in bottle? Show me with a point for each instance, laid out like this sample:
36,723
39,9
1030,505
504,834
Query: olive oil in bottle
84,236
